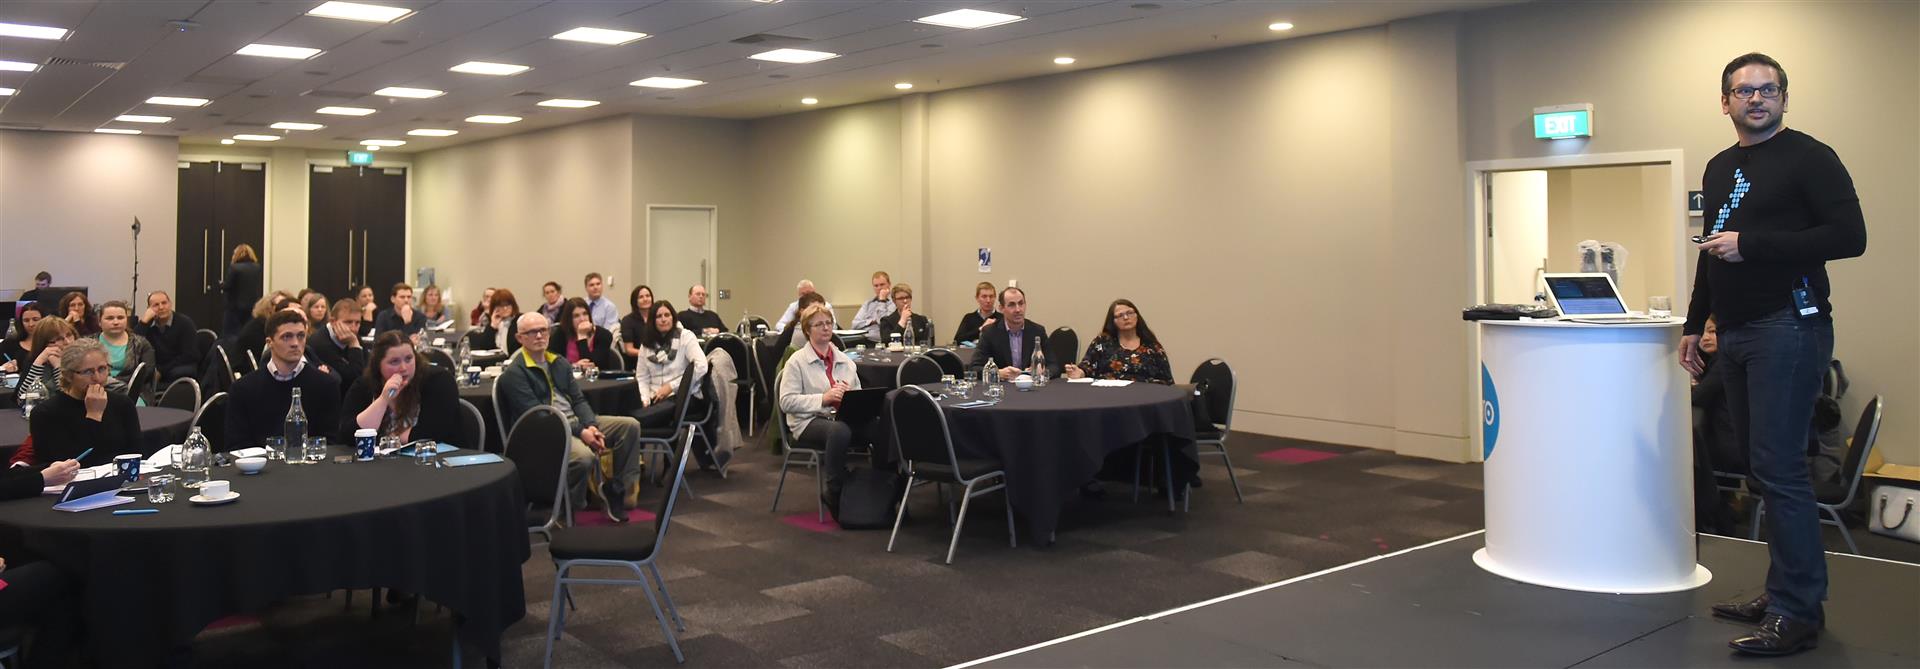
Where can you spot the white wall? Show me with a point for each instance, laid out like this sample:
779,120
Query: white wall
1517,246
67,203
696,162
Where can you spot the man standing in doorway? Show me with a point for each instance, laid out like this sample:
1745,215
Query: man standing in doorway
1784,205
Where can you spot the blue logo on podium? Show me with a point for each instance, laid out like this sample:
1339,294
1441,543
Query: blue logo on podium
1489,413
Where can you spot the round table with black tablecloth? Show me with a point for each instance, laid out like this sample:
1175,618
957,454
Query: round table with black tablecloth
1054,439
6,398
456,536
878,369
610,397
159,426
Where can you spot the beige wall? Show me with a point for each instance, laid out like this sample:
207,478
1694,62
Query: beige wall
67,203
689,161
1630,205
1649,69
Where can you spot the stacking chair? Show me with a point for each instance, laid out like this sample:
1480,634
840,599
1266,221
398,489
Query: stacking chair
538,448
212,421
499,409
766,370
663,446
183,393
440,358
473,432
927,447
1831,499
754,323
917,370
738,349
1222,390
140,383
636,548
203,341
219,376
1062,347
703,425
792,454
949,362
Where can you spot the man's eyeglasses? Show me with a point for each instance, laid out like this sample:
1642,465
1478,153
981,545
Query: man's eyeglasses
1768,91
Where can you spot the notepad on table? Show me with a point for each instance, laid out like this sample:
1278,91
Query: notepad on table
91,502
1111,383
475,459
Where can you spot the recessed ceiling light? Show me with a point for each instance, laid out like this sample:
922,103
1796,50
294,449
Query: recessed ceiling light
226,141
116,131
600,35
290,125
344,111
903,86
7,91
492,118
17,66
767,2
177,102
273,51
404,92
495,69
354,11
809,101
969,19
383,142
1063,60
370,147
432,132
31,32
569,104
257,138
138,118
794,56
1281,26
667,82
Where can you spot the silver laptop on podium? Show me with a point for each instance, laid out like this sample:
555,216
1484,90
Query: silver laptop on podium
1590,298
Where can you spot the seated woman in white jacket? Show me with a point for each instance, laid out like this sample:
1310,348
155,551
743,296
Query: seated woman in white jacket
814,380
667,352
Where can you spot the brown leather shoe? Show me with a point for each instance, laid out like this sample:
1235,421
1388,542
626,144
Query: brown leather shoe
1778,635
1744,610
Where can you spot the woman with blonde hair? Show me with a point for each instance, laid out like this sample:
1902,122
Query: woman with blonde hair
252,337
242,287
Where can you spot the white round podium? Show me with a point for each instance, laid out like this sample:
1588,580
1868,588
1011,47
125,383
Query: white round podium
1588,456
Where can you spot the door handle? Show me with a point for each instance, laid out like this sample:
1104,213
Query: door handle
363,257
349,259
223,246
205,287
703,271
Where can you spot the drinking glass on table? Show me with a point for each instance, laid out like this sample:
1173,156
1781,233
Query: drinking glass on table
315,450
1660,306
160,489
424,450
276,448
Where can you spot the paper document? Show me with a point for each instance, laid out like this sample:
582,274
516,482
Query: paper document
99,501
1111,383
1080,380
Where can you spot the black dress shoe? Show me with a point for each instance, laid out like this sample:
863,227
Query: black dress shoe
1746,611
1778,635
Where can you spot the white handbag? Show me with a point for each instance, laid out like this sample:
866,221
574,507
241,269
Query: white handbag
1890,511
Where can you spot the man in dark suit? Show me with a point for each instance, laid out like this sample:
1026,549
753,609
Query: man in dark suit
1011,342
335,346
171,334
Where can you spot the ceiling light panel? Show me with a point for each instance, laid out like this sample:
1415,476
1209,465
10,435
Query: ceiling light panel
383,142
177,102
492,118
969,19
277,51
404,92
795,56
344,111
601,36
257,138
226,141
432,132
290,125
666,82
138,118
566,103
17,66
116,131
31,32
809,101
493,69
354,11
7,91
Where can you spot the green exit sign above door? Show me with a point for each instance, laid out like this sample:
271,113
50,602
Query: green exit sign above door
359,157
1563,121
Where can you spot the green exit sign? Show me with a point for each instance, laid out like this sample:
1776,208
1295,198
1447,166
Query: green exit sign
359,157
1563,121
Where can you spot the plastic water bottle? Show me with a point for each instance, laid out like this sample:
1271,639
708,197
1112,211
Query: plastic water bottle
296,423
463,358
1039,364
29,397
196,459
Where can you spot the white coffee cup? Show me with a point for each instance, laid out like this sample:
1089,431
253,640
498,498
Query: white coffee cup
215,490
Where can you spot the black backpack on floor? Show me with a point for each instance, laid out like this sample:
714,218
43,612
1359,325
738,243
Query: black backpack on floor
867,500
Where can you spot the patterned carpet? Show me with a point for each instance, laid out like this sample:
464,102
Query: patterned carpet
765,590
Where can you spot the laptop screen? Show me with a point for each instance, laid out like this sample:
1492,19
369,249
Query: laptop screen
1585,295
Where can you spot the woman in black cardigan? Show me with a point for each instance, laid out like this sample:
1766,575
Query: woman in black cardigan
83,414
402,395
576,338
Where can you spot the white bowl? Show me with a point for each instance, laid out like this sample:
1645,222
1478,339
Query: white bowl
251,465
1023,382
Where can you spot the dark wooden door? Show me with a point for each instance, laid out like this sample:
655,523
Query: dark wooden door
356,219
221,206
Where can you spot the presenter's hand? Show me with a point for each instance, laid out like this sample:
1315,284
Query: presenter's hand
1725,246
1690,355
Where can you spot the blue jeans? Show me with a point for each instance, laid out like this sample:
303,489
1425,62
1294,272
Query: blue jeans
1777,362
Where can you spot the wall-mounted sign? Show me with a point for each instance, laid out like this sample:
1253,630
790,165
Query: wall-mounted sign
986,260
1696,202
1563,121
359,157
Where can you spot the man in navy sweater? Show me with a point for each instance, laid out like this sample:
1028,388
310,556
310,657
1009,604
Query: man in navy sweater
1783,205
257,405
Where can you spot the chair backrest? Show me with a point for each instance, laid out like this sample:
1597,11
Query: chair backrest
917,370
538,448
473,430
1865,433
737,349
685,393
766,362
920,427
500,409
203,341
949,362
663,510
212,421
712,403
755,322
222,367
183,394
1063,346
440,358
140,382
1222,386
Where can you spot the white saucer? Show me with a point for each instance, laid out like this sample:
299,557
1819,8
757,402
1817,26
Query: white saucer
203,501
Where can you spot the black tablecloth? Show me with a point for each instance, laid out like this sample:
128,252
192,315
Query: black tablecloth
1052,440
610,397
159,426
6,398
878,369
456,536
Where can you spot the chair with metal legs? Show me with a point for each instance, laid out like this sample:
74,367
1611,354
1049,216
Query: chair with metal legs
636,549
927,447
1832,498
538,448
807,457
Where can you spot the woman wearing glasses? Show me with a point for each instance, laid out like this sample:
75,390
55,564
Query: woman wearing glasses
1125,349
83,415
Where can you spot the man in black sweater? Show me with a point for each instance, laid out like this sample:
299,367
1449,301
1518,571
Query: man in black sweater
336,348
257,405
697,318
1783,205
171,334
1011,344
401,316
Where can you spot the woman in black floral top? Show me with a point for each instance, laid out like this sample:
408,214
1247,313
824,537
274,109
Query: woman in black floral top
1125,349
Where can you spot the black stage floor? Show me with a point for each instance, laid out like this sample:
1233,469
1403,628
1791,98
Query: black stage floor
1431,607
